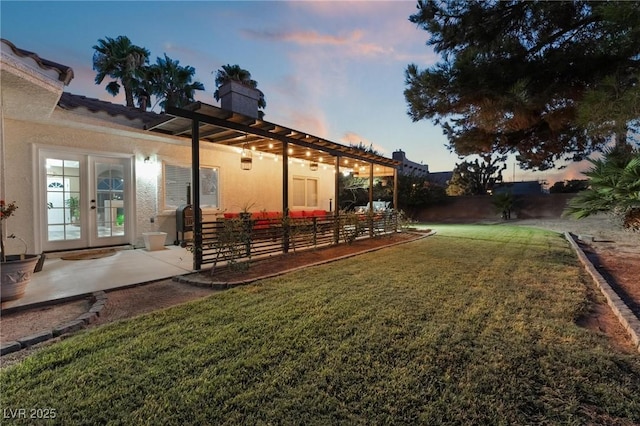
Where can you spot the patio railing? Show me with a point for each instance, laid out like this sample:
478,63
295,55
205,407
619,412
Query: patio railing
244,237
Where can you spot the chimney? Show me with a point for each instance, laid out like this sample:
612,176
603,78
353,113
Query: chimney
236,97
398,155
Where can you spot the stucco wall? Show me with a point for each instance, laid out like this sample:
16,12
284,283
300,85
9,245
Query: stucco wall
260,187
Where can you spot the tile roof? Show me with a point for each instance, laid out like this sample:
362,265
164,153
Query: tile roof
65,73
70,101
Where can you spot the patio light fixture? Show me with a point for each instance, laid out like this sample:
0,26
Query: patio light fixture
246,158
313,166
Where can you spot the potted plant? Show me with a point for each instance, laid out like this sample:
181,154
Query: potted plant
16,270
74,208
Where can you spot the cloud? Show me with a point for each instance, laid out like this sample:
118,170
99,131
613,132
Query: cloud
313,123
351,41
302,37
383,27
353,138
572,171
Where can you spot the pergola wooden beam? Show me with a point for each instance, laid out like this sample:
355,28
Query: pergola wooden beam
281,134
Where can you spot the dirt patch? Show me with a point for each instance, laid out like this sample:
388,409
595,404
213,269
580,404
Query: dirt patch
601,319
138,300
615,252
259,268
22,324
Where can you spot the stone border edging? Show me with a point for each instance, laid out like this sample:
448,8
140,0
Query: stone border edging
99,300
230,284
627,318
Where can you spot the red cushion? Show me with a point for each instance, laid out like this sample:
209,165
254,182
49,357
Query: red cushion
261,224
274,215
296,213
319,213
231,215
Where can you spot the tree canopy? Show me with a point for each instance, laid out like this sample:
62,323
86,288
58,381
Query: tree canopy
544,80
170,82
476,177
121,60
362,147
416,192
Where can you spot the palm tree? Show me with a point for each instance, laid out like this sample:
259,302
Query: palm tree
169,82
614,187
122,61
228,73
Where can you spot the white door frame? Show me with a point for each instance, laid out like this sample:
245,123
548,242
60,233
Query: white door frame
88,218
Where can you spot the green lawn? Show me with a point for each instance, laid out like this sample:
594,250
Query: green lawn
475,325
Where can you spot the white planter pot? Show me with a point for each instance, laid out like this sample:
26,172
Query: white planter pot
154,240
15,274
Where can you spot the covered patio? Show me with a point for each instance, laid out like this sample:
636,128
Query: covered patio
255,139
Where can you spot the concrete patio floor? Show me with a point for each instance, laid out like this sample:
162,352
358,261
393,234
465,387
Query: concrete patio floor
67,279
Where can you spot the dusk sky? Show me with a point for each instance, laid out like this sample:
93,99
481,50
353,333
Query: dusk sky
332,69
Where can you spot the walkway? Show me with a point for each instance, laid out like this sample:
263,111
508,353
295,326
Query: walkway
67,279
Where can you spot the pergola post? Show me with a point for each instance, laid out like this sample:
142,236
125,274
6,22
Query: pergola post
195,188
336,191
371,186
395,189
371,200
285,197
395,196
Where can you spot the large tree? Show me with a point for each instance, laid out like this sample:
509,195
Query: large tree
121,60
476,177
236,73
170,82
516,75
416,192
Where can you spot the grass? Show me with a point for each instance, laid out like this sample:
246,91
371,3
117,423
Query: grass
475,325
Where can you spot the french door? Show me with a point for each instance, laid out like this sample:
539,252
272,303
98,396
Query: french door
87,200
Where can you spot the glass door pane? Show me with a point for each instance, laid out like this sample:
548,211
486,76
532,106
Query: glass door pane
63,198
109,202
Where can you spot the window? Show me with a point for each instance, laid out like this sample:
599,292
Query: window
178,178
305,192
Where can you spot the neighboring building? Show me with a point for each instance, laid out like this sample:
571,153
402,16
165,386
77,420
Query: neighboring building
408,167
87,173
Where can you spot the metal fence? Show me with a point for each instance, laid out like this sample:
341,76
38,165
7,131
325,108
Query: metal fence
246,237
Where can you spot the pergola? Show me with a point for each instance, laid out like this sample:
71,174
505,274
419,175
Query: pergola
207,123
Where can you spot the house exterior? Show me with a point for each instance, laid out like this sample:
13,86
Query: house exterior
87,173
